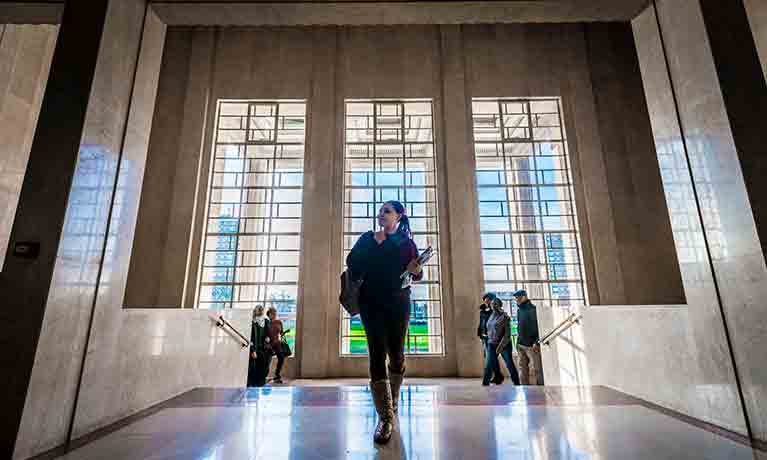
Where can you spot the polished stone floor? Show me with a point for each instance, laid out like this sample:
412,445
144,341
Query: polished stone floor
450,421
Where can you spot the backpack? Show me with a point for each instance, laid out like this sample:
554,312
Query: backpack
350,293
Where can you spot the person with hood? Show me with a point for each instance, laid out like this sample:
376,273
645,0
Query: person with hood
485,310
260,352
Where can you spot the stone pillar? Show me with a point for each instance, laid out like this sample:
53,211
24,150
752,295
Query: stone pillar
26,281
708,105
739,262
318,309
462,204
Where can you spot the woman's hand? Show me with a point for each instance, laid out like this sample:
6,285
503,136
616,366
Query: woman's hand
414,267
254,354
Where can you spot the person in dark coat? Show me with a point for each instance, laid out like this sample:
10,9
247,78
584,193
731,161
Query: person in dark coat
379,258
528,348
260,352
485,310
275,340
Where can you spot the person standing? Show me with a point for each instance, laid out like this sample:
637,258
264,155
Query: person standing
379,258
275,340
528,348
258,365
485,310
499,343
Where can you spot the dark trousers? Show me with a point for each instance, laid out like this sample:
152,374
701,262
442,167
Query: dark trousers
386,327
497,375
258,369
280,361
493,365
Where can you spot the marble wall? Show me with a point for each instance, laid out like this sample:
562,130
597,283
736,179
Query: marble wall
149,283
712,128
97,363
25,57
688,358
643,231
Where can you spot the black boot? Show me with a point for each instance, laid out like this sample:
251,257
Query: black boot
383,401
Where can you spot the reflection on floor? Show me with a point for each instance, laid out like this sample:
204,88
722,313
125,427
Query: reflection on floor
450,421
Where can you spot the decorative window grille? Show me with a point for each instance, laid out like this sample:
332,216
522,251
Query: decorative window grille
389,155
528,223
250,252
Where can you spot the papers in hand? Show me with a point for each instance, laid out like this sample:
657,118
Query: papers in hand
423,259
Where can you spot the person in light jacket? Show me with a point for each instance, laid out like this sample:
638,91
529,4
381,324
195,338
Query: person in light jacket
499,343
485,311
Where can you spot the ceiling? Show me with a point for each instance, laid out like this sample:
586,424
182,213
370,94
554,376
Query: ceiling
352,12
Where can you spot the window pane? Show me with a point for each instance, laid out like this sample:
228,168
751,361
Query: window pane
389,155
250,253
527,215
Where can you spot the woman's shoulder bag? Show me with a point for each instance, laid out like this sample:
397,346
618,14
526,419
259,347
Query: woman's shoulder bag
350,293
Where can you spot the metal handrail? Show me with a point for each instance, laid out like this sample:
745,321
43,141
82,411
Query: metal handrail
571,320
223,324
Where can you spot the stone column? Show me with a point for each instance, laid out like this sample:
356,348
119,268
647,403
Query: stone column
462,204
318,309
711,113
25,282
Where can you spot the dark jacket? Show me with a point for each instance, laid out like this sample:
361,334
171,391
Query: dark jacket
381,265
527,324
258,337
484,314
273,332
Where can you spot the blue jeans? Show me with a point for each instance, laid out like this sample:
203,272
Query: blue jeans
491,363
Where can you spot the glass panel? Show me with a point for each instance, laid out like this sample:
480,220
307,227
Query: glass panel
389,155
250,252
527,215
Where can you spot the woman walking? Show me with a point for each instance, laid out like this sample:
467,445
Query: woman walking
379,258
260,357
499,343
275,340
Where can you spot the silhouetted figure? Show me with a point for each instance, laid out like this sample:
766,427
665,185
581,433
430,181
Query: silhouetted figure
380,258
275,340
528,348
260,352
485,310
499,343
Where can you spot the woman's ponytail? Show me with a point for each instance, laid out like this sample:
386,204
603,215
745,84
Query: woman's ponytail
404,226
404,222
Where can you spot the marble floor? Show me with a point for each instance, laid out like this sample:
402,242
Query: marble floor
440,420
